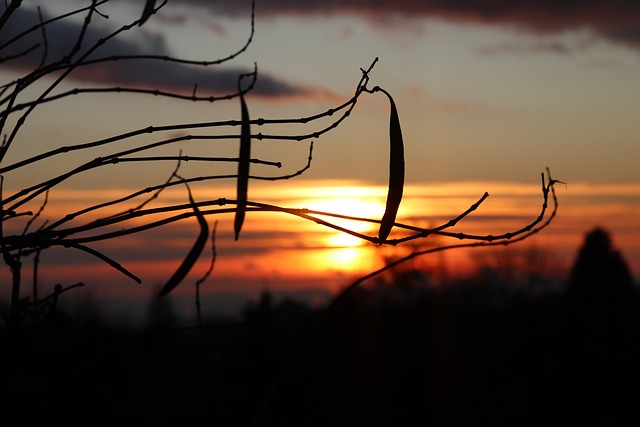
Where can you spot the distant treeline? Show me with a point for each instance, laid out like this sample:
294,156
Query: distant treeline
387,354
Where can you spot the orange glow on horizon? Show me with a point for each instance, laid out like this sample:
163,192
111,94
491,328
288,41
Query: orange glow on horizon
285,250
349,205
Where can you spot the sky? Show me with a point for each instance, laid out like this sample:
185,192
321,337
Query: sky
489,94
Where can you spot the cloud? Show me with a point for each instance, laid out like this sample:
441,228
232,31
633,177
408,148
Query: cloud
144,73
615,20
551,47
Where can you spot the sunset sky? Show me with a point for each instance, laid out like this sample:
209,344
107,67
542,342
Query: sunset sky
489,95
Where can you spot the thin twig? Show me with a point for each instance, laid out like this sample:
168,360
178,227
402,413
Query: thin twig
206,275
48,22
347,106
157,188
45,41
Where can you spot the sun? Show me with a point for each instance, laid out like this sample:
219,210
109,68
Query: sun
346,259
341,251
344,240
347,206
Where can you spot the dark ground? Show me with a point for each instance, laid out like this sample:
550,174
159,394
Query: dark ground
442,358
397,354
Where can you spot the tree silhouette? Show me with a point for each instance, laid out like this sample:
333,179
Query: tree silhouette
599,268
601,320
48,66
602,302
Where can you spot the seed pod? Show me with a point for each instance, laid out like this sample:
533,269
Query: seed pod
193,254
243,167
147,11
396,172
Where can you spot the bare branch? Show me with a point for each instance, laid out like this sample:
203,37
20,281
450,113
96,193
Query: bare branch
37,214
534,227
102,257
45,41
158,188
48,22
134,212
74,50
15,4
301,213
347,106
156,92
30,193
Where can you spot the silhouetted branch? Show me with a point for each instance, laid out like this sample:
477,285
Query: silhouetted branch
292,175
37,189
10,8
32,192
54,235
102,257
45,41
37,214
16,55
158,188
119,89
506,239
63,65
45,23
77,229
156,192
347,106
34,76
87,21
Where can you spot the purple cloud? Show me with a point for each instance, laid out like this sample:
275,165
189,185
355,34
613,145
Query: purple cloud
615,20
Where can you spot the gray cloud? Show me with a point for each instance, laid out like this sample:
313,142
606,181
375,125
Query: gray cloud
145,73
551,47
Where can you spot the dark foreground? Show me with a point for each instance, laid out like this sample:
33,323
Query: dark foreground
402,357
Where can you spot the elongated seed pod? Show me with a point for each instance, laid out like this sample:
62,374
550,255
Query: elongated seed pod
147,11
243,167
193,254
396,172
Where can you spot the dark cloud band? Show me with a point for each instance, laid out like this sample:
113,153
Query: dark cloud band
615,20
